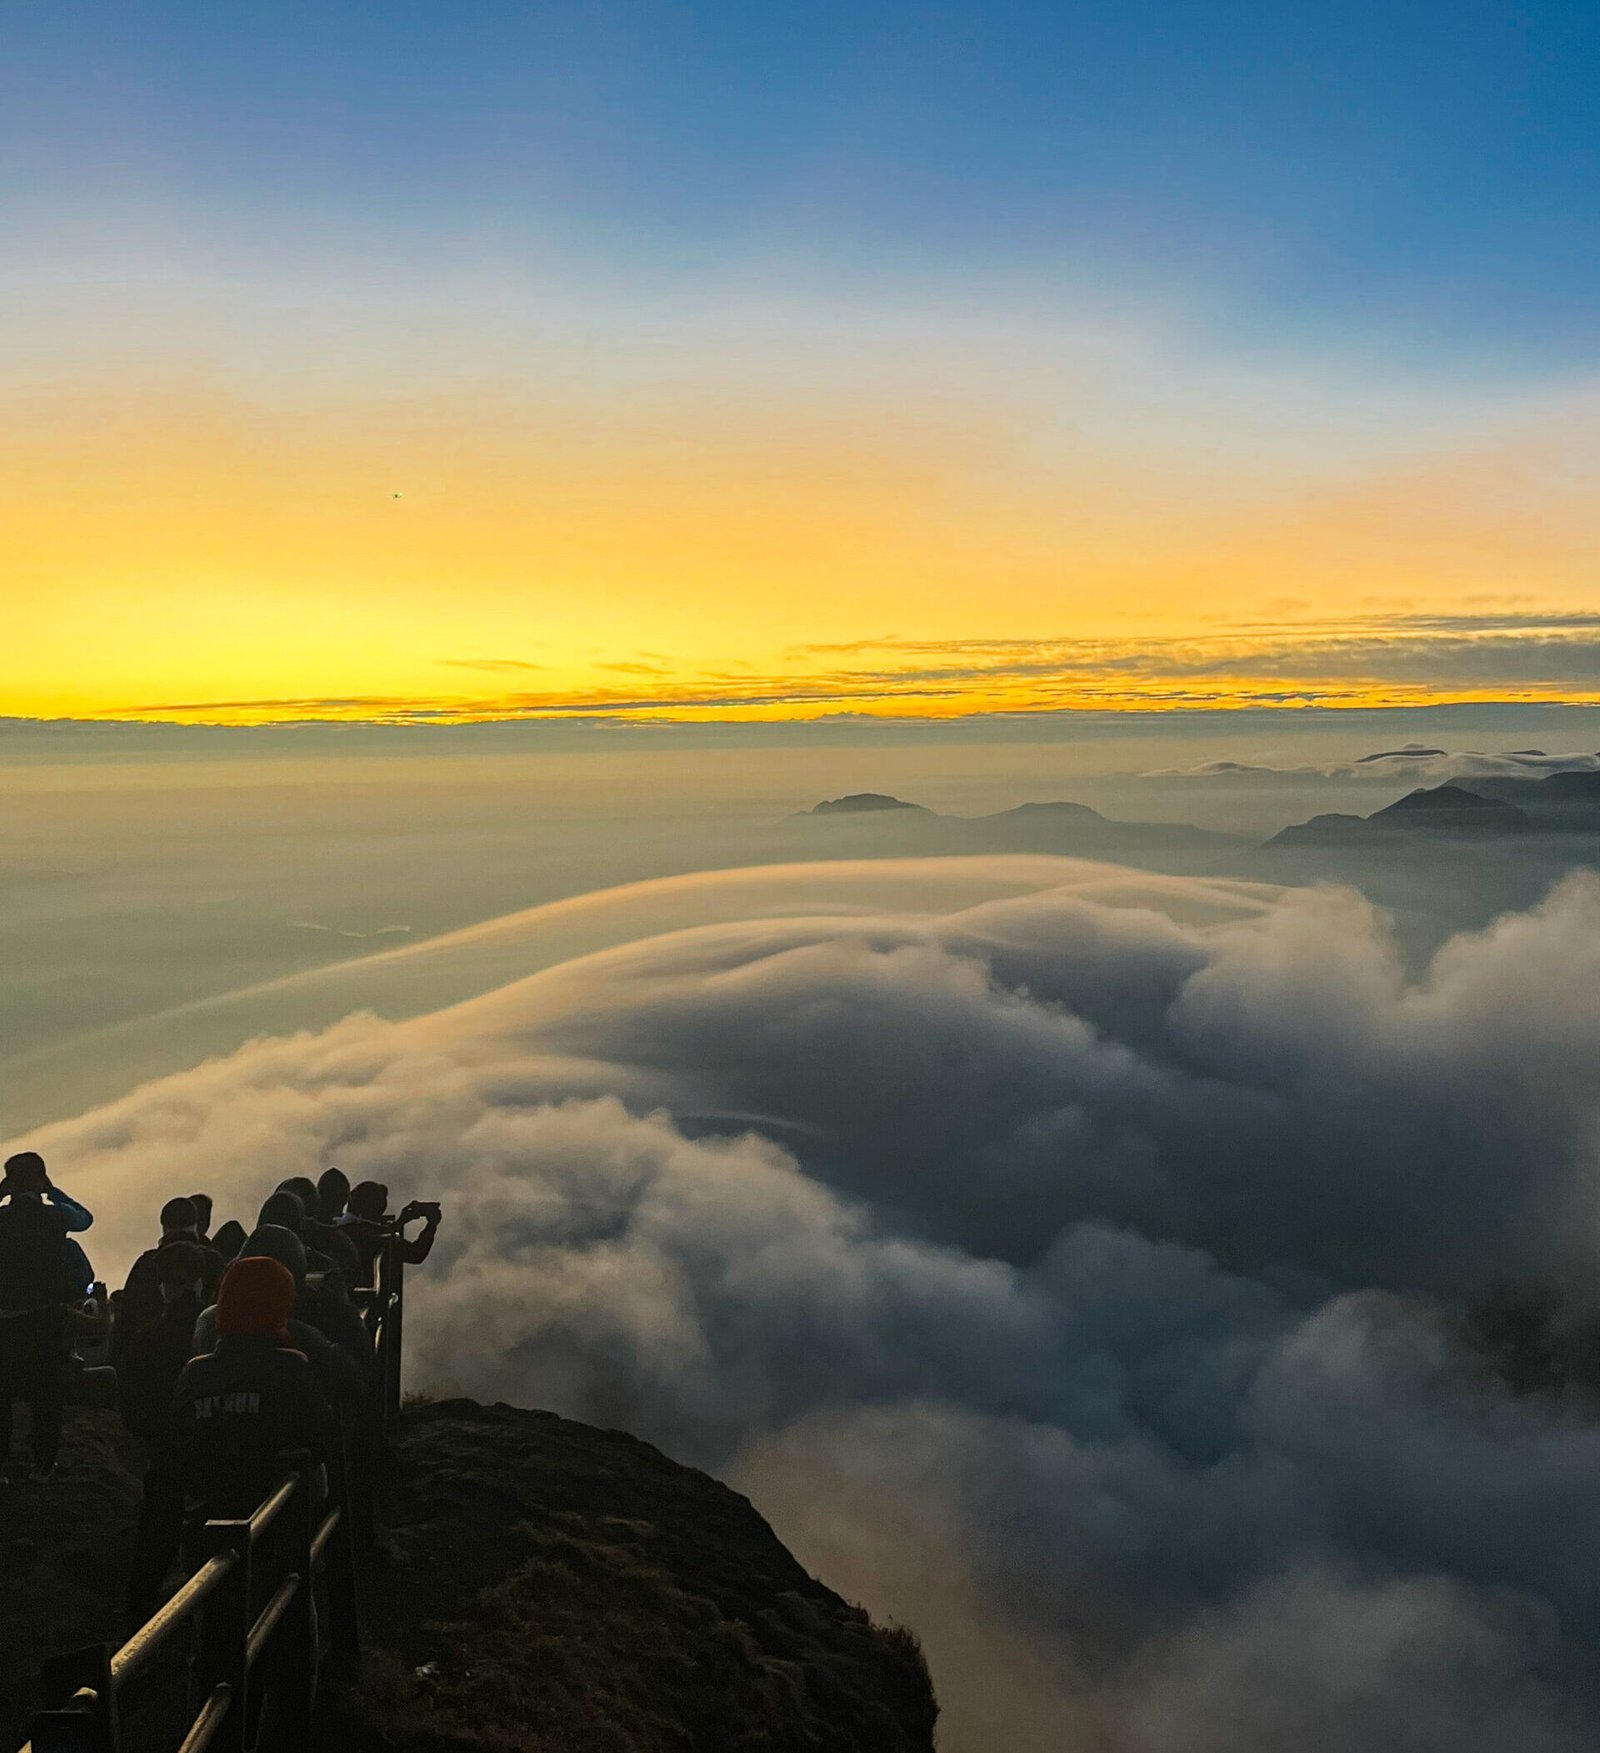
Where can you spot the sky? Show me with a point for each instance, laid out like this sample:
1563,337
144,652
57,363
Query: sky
527,455
419,363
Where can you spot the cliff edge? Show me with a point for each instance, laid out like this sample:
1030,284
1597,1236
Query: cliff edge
545,1585
556,1585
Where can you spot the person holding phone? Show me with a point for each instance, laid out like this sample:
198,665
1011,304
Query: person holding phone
42,1279
368,1224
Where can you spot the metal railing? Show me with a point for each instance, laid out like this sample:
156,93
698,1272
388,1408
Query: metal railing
277,1553
383,1308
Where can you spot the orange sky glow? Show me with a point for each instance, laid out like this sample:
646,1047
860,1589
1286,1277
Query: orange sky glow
759,511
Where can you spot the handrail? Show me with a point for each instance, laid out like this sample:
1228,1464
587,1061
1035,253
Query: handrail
267,1621
136,1653
219,1590
319,1540
213,1714
267,1511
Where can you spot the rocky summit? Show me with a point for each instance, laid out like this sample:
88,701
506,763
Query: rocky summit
542,1585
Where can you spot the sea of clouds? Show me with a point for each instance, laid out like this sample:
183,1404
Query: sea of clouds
1068,1273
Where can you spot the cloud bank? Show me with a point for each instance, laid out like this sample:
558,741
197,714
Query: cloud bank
1416,763
1066,1272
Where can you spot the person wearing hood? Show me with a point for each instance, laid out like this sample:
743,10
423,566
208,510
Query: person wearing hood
331,1260
235,1413
323,1238
324,1326
285,1211
229,1240
327,1328
333,1190
255,1397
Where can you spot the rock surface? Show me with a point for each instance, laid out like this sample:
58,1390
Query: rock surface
559,1586
547,1585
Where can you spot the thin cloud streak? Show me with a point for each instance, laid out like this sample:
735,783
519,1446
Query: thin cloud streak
1375,661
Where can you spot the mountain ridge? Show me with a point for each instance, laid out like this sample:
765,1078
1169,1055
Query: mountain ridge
1046,826
1446,810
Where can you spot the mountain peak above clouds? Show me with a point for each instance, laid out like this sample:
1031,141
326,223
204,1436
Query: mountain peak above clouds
863,803
1443,810
1056,825
1454,806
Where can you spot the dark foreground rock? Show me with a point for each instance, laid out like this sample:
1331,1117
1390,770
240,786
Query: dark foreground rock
65,1550
557,1586
547,1586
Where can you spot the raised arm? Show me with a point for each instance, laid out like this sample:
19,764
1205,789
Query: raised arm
415,1249
78,1217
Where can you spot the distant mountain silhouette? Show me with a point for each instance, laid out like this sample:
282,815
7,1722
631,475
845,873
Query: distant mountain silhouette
1559,803
1453,808
1030,827
1444,810
861,803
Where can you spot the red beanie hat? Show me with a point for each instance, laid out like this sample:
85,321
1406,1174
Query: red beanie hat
255,1297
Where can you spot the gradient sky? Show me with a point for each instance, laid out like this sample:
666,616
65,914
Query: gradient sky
397,361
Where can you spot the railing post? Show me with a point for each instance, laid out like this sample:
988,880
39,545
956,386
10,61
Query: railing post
391,1330
344,1610
225,1632
295,1659
397,1315
85,1719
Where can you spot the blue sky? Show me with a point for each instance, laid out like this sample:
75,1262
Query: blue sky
390,351
1425,171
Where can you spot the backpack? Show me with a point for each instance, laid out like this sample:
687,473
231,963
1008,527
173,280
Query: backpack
33,1256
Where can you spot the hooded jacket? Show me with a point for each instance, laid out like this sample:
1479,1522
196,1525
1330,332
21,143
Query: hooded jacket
237,1412
338,1366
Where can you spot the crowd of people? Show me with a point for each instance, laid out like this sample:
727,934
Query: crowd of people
230,1347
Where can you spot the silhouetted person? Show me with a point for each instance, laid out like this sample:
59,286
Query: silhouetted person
203,1209
235,1412
319,1237
324,1327
328,1328
250,1400
153,1358
40,1282
327,1252
141,1303
333,1190
368,1224
303,1188
229,1240
286,1211
80,1274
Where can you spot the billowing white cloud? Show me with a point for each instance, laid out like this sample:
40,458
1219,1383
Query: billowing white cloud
1068,1273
